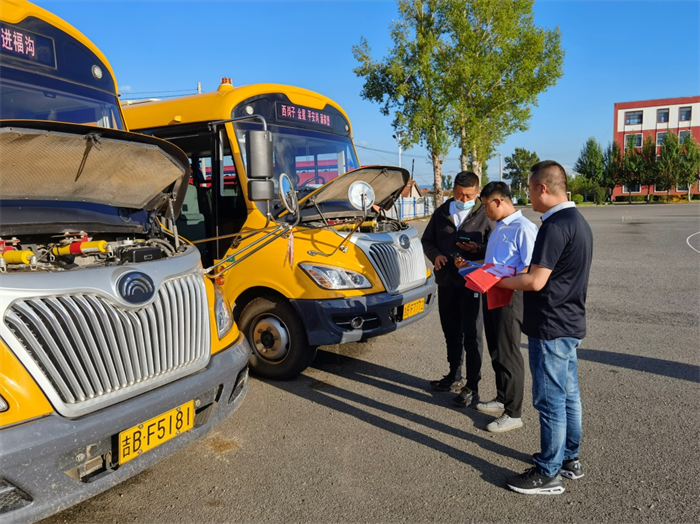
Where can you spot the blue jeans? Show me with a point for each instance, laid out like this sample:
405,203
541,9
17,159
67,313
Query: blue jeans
556,396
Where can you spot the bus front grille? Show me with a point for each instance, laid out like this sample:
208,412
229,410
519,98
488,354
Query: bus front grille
94,351
399,269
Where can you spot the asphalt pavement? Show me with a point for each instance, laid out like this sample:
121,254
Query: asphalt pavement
358,437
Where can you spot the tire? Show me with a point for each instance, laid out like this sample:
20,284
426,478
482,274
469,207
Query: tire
279,346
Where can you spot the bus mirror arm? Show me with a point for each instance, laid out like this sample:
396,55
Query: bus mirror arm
237,257
212,125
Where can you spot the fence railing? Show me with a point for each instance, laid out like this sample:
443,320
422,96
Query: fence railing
415,207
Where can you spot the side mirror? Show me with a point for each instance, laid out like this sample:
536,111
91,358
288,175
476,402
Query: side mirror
259,190
288,194
259,154
361,195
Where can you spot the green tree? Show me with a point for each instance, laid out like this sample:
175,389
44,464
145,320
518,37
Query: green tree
647,165
497,64
447,182
689,172
590,161
612,165
409,81
669,163
628,175
517,168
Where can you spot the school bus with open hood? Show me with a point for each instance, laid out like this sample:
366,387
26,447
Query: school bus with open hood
334,269
115,350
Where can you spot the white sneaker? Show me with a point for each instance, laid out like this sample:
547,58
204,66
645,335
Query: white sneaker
492,407
504,423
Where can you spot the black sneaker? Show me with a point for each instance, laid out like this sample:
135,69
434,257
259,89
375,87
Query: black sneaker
466,397
571,469
446,383
533,483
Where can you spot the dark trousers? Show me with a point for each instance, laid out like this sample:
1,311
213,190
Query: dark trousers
463,326
502,326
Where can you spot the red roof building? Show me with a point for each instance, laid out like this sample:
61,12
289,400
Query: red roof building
656,118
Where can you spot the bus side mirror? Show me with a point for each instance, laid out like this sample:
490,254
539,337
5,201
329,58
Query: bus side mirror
259,190
259,154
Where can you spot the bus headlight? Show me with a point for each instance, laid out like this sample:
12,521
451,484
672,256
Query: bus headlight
222,312
4,406
336,278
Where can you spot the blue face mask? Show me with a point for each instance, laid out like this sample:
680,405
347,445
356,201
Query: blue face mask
463,206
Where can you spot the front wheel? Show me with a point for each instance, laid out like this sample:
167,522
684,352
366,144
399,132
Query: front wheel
277,338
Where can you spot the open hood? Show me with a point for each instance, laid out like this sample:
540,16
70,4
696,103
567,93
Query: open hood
53,161
387,182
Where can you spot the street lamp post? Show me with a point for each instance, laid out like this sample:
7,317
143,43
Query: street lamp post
397,137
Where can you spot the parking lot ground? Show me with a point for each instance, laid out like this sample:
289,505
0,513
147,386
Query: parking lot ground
359,438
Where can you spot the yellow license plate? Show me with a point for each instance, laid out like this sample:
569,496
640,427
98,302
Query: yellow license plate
413,308
154,432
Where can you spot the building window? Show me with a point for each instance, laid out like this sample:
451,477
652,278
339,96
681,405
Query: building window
682,135
660,138
636,188
662,116
634,117
684,114
681,189
636,139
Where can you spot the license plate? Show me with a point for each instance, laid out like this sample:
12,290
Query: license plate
413,308
137,440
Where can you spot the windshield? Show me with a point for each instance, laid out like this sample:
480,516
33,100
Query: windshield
310,158
30,96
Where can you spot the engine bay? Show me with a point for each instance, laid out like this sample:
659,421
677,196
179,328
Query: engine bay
76,250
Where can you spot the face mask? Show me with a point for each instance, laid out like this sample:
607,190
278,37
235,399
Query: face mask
463,206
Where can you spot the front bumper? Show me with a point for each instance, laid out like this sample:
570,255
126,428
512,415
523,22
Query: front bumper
329,321
52,463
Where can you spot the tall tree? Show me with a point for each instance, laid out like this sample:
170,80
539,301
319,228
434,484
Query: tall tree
498,63
689,172
647,165
517,168
409,81
447,182
628,172
590,161
669,163
612,165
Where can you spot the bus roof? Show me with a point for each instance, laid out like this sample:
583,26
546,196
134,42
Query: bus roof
215,105
14,11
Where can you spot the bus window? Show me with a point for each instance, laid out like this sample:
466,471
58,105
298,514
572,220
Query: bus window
48,99
310,158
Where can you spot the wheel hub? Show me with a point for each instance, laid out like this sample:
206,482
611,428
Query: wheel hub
270,338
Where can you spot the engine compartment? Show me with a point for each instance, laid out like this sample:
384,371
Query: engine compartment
76,250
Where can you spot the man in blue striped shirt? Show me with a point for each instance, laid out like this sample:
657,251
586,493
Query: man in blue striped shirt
511,244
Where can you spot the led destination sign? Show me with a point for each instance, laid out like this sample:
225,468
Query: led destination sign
303,114
25,45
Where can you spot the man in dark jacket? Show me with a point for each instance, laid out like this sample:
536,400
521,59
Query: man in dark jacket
459,228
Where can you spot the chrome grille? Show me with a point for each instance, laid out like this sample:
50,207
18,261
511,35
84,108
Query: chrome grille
92,349
399,269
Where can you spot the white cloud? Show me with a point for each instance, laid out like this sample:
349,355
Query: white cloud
125,89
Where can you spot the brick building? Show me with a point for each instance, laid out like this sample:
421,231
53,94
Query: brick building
656,118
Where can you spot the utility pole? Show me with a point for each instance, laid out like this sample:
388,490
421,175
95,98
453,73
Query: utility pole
397,137
199,88
500,162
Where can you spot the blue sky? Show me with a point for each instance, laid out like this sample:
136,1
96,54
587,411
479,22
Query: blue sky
616,51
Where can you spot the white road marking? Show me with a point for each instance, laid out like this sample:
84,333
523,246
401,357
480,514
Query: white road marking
687,241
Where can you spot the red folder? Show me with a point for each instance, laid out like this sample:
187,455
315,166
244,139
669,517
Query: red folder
482,281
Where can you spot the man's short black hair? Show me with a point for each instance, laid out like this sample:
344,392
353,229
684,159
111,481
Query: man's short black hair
499,189
466,179
552,174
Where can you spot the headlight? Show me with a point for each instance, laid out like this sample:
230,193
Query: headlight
336,278
224,317
3,404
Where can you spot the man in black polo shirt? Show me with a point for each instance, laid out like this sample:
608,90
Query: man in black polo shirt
555,322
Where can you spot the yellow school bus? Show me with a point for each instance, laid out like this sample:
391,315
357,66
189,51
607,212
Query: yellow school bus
115,350
342,271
